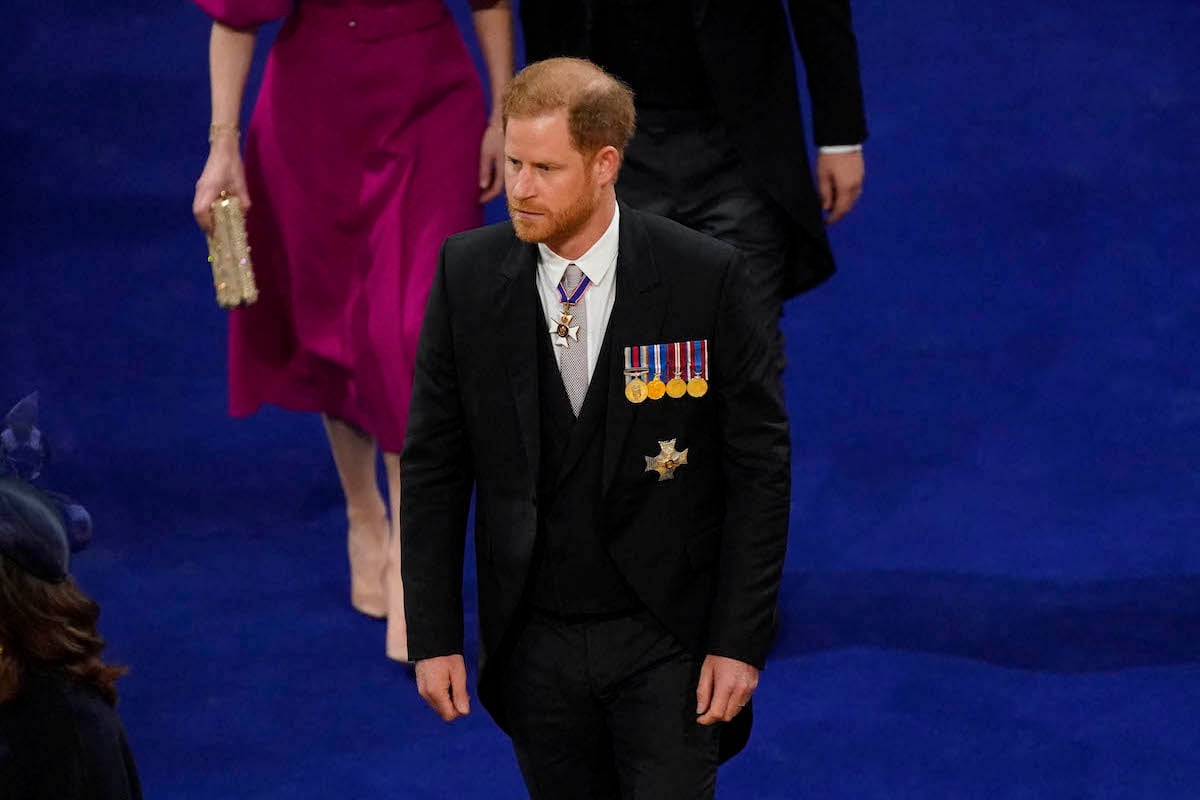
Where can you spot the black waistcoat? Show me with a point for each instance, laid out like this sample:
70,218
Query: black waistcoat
573,574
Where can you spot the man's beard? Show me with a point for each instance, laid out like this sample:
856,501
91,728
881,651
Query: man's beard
554,227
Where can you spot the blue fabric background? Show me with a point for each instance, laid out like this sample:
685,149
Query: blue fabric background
993,582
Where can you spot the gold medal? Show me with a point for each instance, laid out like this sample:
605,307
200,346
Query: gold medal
676,387
697,367
656,388
635,390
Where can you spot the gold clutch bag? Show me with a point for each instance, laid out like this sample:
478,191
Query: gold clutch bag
229,254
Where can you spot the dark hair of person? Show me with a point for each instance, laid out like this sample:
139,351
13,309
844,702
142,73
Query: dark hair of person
599,107
50,625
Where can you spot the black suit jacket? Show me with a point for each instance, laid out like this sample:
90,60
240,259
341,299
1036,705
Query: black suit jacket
704,552
748,62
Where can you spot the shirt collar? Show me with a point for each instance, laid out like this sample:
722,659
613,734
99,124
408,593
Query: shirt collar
596,264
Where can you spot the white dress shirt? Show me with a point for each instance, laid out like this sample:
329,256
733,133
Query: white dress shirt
598,264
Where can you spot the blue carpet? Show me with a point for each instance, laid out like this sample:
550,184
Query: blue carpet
993,582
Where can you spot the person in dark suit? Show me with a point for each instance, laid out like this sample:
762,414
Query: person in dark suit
60,735
597,375
720,144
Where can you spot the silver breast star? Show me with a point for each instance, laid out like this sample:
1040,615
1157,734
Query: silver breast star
667,461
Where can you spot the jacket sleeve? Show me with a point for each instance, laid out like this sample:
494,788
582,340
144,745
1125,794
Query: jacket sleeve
245,13
825,36
756,462
436,480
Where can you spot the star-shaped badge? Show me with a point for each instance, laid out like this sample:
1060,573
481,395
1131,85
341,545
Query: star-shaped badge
564,331
667,461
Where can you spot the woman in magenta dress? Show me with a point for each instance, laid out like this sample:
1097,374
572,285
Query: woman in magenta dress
368,145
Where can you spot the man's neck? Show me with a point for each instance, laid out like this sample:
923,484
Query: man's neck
587,236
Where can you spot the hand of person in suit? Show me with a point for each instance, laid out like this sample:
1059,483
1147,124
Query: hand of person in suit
442,683
726,685
840,181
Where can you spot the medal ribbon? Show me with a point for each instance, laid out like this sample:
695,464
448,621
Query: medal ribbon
658,360
575,295
698,356
635,362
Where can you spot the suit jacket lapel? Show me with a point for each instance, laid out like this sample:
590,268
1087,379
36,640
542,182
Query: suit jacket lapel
637,319
516,315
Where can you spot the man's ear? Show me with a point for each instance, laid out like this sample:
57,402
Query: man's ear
606,163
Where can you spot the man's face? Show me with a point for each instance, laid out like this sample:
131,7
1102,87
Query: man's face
552,191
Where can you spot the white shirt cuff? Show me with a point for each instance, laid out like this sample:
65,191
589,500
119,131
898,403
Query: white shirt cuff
834,149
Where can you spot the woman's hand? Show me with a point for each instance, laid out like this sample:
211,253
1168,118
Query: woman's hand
491,162
222,172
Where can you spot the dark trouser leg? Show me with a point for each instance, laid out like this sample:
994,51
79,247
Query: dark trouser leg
661,751
682,166
556,723
606,709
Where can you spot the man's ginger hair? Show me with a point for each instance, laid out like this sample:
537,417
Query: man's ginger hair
599,106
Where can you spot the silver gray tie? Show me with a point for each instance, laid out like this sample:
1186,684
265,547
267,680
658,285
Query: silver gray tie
573,359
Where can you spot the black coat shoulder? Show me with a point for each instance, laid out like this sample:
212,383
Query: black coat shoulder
63,740
487,245
664,233
693,264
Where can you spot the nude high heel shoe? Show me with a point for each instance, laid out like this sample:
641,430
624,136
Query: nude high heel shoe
367,546
367,538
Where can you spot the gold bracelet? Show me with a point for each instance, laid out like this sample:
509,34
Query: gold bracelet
216,130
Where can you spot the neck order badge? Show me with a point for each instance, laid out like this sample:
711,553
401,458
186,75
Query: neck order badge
563,331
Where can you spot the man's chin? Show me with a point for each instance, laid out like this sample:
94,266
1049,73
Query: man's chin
528,231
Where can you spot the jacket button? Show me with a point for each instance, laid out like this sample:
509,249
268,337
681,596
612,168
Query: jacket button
352,23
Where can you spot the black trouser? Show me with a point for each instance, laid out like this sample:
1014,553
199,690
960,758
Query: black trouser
605,709
681,165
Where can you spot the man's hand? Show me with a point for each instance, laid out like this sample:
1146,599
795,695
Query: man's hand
442,682
840,182
725,687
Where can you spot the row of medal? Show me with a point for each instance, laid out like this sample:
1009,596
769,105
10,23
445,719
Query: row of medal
666,370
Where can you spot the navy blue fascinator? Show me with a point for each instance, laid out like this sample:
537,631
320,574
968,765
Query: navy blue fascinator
32,533
39,529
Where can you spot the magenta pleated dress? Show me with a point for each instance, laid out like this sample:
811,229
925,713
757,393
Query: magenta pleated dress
362,156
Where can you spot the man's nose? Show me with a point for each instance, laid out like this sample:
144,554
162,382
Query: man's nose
522,184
